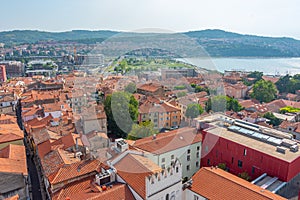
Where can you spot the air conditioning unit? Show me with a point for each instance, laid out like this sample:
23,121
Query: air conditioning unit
106,177
121,145
294,148
78,154
281,149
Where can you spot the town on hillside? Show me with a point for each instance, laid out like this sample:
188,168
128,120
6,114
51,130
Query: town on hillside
143,128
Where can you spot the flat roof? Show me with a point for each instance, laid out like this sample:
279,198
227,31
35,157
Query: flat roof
252,143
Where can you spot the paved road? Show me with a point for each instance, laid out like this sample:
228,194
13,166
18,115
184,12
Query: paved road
35,184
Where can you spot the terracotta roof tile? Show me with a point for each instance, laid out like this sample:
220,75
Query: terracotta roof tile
84,189
169,141
134,173
13,151
74,170
220,185
151,87
15,197
150,107
51,162
13,159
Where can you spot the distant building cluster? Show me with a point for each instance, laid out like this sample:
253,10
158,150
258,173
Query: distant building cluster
55,127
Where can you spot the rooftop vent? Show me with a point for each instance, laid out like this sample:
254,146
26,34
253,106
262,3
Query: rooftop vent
281,149
288,143
294,148
105,178
121,145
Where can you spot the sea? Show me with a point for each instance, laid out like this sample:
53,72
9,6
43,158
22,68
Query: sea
269,66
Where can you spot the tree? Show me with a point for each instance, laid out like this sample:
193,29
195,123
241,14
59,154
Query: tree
208,105
138,131
289,109
288,84
273,120
130,88
121,110
201,89
264,91
257,75
284,84
233,104
245,176
222,166
181,94
218,103
222,103
193,110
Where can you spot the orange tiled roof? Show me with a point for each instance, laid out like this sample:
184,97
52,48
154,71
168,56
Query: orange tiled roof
269,78
51,162
218,184
149,107
133,173
10,137
39,121
13,151
74,170
248,103
85,189
68,140
151,87
13,159
15,197
169,141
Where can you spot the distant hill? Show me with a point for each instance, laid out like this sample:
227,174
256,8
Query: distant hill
217,43
31,36
222,43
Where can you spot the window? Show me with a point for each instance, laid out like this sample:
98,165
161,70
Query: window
240,163
232,159
188,158
163,166
172,157
253,169
198,154
208,162
197,164
198,148
188,151
163,160
177,169
188,167
245,152
196,197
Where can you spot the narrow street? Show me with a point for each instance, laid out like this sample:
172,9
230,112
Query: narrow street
34,180
34,186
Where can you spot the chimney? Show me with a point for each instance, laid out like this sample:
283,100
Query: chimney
154,136
76,147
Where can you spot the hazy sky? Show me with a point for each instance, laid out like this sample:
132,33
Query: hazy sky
261,17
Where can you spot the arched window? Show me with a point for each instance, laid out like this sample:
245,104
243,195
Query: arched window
167,197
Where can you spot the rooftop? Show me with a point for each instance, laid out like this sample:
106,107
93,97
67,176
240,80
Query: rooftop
169,141
254,139
213,183
13,159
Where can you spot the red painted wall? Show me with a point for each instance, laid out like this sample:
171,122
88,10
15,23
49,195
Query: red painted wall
219,150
